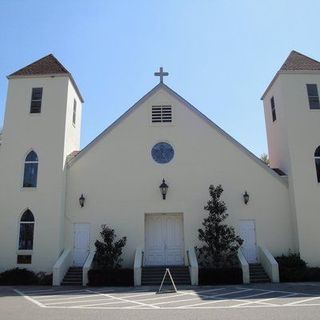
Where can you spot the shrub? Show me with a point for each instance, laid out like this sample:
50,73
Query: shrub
292,260
293,269
110,277
108,252
20,276
211,276
221,243
44,279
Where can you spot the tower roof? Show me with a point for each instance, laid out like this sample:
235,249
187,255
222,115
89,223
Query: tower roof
46,65
298,61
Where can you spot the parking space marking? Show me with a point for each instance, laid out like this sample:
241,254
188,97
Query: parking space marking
124,300
214,300
301,301
29,298
144,299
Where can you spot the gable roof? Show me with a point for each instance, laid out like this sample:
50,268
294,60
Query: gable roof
296,61
192,108
48,65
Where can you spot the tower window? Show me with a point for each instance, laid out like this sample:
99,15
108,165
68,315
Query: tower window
273,109
74,115
30,170
313,96
161,114
317,162
36,99
26,231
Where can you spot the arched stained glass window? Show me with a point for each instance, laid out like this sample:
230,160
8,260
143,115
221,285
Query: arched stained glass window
26,231
30,175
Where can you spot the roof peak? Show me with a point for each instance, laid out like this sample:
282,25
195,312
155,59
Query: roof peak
49,64
298,61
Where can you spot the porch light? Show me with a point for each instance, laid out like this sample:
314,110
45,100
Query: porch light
163,188
82,200
246,197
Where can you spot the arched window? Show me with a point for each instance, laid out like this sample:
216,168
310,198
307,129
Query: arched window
317,162
26,231
30,170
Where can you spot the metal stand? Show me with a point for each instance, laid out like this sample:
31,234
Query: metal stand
171,279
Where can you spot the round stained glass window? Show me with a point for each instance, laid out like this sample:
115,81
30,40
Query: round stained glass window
162,152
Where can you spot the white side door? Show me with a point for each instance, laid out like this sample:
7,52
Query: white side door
174,244
154,251
81,244
248,234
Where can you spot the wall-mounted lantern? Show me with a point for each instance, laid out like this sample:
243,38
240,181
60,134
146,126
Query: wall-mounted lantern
82,200
246,197
163,188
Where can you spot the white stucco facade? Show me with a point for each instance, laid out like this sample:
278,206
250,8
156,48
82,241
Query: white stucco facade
119,178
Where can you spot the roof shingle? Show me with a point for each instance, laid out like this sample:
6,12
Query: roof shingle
298,61
46,65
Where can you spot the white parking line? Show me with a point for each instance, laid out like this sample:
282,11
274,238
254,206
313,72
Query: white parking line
113,299
81,301
57,293
182,294
29,298
301,301
124,300
213,300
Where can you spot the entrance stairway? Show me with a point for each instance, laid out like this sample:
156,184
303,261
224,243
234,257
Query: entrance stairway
257,273
153,275
73,277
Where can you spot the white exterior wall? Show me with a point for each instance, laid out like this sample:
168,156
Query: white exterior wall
295,146
45,134
121,181
276,130
303,134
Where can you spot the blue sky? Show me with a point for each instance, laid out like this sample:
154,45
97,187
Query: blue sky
221,55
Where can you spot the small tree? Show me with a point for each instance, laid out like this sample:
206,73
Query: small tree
109,251
221,242
264,157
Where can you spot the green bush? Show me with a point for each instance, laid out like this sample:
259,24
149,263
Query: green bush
293,269
211,276
110,277
292,260
19,276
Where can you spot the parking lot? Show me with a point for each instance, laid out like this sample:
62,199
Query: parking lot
283,300
205,298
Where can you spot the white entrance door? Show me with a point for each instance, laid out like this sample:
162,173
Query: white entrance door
81,243
164,243
248,234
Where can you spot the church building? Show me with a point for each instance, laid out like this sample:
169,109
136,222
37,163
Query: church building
147,176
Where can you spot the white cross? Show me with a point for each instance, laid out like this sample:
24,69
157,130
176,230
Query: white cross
161,74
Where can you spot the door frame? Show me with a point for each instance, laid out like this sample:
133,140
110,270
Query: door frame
255,236
73,240
145,233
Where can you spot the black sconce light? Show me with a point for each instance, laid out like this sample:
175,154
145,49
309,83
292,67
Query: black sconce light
246,197
163,188
82,200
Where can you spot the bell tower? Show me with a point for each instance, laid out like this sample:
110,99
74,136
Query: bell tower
41,128
292,116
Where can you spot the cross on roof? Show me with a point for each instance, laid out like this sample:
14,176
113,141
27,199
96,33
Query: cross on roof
161,74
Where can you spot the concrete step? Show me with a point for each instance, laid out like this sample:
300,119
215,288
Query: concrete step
257,273
154,275
73,277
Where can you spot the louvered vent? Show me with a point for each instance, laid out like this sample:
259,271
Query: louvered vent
161,114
